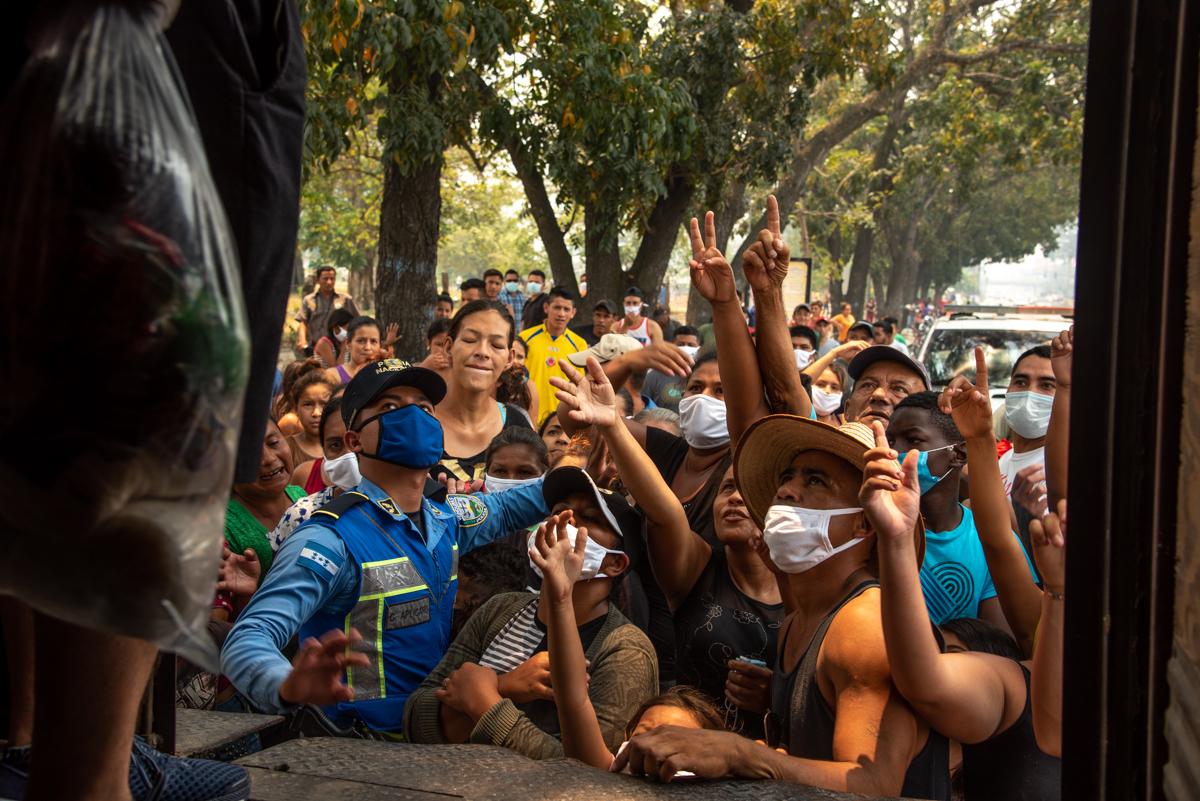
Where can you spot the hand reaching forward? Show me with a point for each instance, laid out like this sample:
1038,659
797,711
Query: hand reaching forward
766,262
1062,354
1049,539
890,494
587,398
711,273
239,572
560,561
316,676
970,404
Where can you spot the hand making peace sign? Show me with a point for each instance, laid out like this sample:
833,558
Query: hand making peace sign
711,273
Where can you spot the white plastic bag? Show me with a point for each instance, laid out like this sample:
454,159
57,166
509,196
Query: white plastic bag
124,352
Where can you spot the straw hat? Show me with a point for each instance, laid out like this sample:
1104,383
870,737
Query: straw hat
772,442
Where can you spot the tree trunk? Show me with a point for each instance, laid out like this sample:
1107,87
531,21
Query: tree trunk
662,230
732,207
902,288
602,258
860,267
409,219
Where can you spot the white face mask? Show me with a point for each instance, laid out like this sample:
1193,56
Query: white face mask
798,538
583,287
826,402
1028,413
593,554
341,334
342,471
690,350
803,358
702,419
495,485
633,310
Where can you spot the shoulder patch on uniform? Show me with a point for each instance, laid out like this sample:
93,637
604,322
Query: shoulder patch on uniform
321,560
469,510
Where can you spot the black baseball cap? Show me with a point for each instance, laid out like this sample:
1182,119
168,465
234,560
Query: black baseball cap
563,482
374,378
885,353
607,305
634,292
864,325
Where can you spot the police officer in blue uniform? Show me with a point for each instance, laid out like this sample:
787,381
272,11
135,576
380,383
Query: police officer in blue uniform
369,580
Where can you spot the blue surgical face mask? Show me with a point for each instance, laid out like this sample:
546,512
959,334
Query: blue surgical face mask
408,437
512,286
925,477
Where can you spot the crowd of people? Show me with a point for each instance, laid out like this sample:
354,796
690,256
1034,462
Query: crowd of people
765,548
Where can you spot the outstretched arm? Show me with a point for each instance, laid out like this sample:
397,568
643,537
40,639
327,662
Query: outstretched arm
713,278
1049,538
561,564
847,352
677,555
1062,349
960,695
971,409
765,264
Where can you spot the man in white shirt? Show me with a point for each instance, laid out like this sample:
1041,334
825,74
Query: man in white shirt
1027,409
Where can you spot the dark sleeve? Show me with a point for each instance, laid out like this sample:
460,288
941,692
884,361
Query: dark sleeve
514,417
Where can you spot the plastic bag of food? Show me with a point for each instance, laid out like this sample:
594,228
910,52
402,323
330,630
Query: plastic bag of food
124,353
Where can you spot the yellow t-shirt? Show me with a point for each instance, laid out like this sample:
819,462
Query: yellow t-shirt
843,322
542,362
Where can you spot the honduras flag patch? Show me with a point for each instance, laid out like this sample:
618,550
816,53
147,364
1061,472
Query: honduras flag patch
320,560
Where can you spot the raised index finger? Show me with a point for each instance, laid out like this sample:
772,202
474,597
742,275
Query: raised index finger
773,215
981,373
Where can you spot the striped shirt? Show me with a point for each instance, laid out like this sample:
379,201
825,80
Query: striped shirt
515,643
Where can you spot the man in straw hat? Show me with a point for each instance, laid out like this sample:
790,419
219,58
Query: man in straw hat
835,712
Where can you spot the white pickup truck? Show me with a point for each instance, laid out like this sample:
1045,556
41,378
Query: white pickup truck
948,349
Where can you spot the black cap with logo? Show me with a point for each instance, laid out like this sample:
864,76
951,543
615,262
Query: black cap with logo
376,377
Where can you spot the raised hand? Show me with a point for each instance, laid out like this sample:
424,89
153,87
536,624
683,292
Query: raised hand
849,350
1049,539
1062,352
970,404
316,676
664,357
560,560
711,274
392,336
587,398
239,572
890,493
766,262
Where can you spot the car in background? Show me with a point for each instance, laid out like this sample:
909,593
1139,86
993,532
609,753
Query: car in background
1004,333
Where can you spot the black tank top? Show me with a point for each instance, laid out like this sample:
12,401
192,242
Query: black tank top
805,722
718,622
1010,766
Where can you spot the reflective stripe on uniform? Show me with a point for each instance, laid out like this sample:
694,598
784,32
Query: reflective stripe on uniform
380,580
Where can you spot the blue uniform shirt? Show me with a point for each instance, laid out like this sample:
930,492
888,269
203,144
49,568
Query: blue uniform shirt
313,572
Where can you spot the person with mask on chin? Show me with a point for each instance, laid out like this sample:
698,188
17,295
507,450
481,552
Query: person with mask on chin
835,712
956,578
725,602
382,551
478,692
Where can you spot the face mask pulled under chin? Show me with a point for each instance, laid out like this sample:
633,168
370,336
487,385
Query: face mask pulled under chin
409,437
342,472
494,484
702,420
798,538
1028,413
593,554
